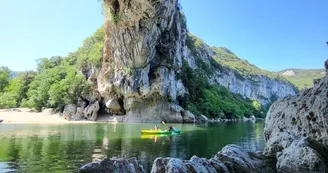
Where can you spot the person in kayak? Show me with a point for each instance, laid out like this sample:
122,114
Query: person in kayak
156,127
171,128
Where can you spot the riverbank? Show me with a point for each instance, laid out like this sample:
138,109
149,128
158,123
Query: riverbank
29,116
48,116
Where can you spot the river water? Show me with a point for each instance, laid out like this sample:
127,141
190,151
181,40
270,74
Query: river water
66,147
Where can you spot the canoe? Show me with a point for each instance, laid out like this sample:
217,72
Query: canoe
159,132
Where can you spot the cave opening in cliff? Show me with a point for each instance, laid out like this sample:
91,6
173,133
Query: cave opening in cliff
116,7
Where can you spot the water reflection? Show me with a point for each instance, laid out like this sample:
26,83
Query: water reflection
64,148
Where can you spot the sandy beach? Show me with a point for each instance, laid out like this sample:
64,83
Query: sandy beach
28,116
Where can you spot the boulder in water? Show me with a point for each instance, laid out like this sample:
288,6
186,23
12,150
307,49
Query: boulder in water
113,165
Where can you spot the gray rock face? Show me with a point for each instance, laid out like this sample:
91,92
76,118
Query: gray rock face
297,127
305,115
261,88
237,160
230,159
74,113
141,111
114,106
188,117
195,164
142,55
113,165
300,157
69,111
91,111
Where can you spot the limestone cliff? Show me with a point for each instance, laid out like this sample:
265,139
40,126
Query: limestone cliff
296,130
145,46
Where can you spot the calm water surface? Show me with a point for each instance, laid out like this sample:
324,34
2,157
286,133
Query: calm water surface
64,148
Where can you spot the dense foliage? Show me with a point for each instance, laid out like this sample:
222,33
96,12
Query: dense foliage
213,100
56,87
13,91
58,81
4,78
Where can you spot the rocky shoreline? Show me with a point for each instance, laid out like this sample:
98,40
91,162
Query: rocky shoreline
230,159
296,141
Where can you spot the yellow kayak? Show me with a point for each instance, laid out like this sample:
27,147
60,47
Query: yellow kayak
155,132
158,132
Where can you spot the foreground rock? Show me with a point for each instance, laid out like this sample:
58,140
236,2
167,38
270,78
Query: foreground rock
113,165
296,130
230,159
300,157
238,160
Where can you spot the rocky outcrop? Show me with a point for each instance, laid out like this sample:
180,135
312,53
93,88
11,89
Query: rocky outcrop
114,106
237,160
113,165
91,111
73,112
296,130
261,88
188,117
230,159
288,73
301,157
195,164
69,111
142,55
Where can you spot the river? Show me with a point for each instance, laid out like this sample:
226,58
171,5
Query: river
65,147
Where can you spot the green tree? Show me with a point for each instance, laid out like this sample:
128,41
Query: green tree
256,104
7,100
45,63
68,90
24,79
56,87
4,77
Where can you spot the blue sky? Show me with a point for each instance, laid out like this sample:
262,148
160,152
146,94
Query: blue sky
272,34
42,28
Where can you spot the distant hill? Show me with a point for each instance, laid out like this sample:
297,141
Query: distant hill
302,78
14,74
227,58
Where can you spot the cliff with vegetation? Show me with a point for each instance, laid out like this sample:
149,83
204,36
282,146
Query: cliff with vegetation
144,64
156,69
